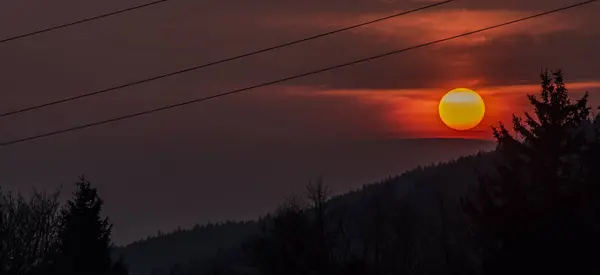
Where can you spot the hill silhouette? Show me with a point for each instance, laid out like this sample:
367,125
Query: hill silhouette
419,188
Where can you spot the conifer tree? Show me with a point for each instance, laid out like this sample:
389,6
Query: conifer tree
84,236
528,212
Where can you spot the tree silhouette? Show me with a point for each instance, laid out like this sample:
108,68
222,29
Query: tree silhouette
528,212
27,232
325,237
84,236
285,242
318,193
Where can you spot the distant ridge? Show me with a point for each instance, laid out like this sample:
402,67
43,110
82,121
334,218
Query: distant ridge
417,187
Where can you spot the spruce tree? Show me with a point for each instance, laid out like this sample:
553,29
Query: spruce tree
84,236
527,213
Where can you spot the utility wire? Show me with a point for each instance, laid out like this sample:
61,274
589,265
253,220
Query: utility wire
81,21
291,77
51,103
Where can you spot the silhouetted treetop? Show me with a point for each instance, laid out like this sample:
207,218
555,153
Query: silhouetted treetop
528,212
85,246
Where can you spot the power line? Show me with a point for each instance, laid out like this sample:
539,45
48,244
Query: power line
219,62
291,77
81,21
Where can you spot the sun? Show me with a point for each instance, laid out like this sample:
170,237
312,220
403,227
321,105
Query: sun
461,109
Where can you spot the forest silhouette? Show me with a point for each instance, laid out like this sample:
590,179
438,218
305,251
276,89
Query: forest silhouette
531,206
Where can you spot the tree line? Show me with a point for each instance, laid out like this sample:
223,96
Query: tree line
41,236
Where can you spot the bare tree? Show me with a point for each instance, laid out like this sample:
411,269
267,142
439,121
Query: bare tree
318,194
28,229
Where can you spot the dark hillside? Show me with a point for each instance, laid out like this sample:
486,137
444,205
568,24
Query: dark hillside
156,254
421,189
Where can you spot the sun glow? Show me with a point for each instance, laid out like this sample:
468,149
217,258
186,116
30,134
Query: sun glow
461,109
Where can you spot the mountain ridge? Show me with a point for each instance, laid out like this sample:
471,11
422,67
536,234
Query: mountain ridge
418,187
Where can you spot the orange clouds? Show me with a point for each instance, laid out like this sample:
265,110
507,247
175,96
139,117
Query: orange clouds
411,113
440,24
414,112
437,24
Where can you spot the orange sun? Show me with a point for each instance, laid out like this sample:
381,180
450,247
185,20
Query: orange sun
461,109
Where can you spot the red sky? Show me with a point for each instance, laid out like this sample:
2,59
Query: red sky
391,98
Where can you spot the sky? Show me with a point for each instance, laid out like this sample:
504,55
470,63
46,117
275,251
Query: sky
236,157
